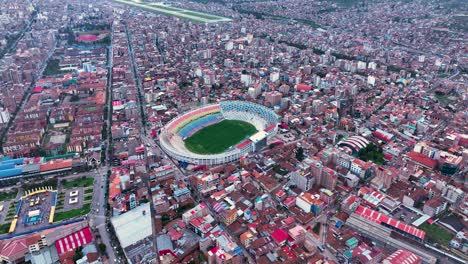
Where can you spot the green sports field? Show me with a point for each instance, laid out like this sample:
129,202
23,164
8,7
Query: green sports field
219,137
194,16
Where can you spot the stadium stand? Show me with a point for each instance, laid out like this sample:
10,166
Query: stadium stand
172,136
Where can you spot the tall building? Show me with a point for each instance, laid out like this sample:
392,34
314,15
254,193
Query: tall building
303,180
329,178
453,194
316,168
422,147
274,76
274,97
435,206
386,177
317,106
246,79
361,168
207,54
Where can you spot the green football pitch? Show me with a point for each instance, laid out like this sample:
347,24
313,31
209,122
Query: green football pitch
219,137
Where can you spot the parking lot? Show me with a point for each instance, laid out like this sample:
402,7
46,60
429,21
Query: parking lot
405,215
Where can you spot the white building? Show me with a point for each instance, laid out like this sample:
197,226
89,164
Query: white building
453,194
274,76
4,116
309,203
229,45
361,65
133,229
246,79
372,65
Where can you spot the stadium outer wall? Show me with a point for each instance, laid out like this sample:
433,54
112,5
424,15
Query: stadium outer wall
180,153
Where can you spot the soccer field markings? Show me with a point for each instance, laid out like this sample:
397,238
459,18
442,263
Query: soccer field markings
202,141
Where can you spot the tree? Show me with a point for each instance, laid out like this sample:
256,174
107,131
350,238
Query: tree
201,257
372,152
105,111
300,154
75,98
165,219
78,254
316,228
102,248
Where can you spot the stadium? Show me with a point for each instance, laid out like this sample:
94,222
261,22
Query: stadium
218,133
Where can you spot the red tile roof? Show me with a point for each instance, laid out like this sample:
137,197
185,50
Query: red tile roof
13,248
402,256
280,193
279,235
303,87
37,89
435,202
287,250
174,234
56,164
422,159
381,218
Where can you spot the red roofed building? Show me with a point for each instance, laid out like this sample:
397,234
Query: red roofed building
422,160
37,89
402,256
350,203
219,195
73,241
289,220
56,165
288,252
361,168
389,222
366,255
280,236
229,216
13,250
302,87
435,206
289,202
380,134
280,195
174,234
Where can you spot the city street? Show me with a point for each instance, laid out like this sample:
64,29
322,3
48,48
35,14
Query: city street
233,131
